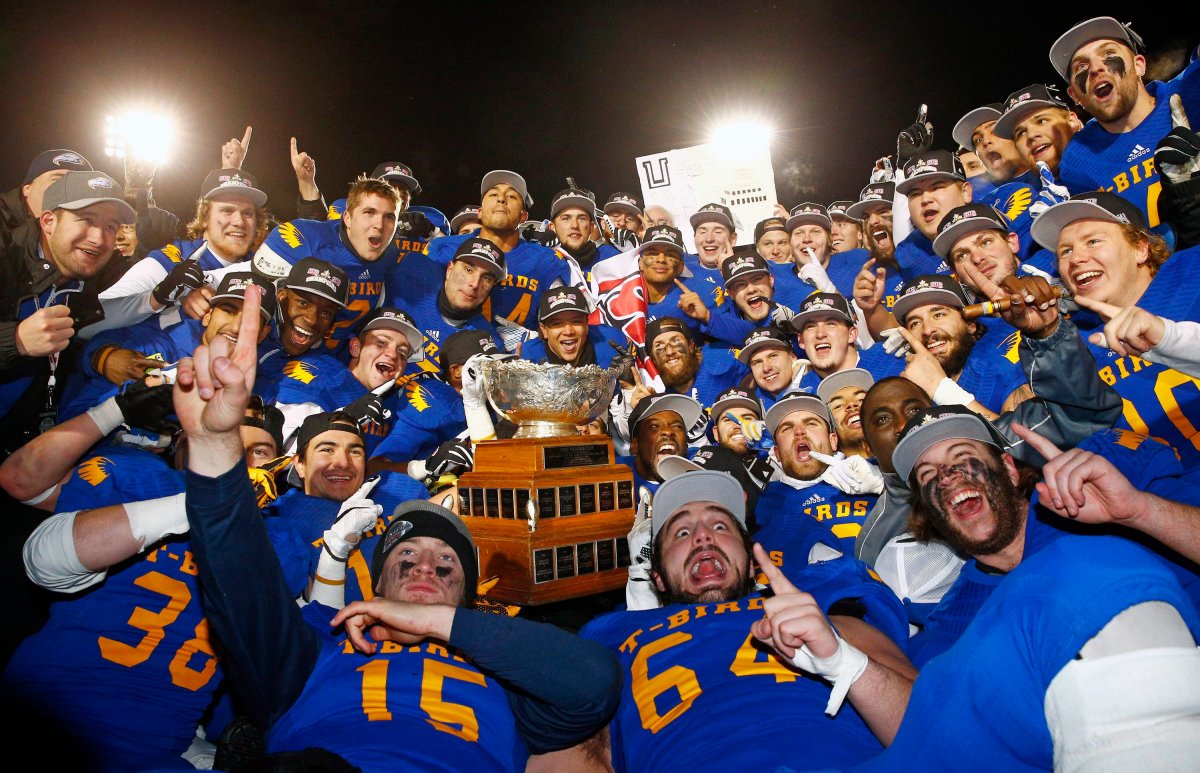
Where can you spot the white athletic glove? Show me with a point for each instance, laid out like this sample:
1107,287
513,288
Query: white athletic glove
948,392
813,272
1052,193
800,368
851,474
894,343
841,669
356,515
512,334
639,591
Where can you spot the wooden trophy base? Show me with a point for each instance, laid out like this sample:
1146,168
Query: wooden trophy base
549,517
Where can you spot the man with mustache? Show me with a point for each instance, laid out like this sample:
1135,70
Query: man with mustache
726,644
980,235
947,359
1090,632
1103,63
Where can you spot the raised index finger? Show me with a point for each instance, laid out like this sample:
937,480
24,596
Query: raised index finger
681,285
1105,310
1178,114
1039,443
986,286
295,152
246,137
779,583
245,353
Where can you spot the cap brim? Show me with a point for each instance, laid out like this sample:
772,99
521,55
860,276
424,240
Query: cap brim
796,221
907,303
416,340
302,288
577,202
945,241
835,382
746,352
495,269
721,406
621,206
954,427
253,195
128,215
408,182
687,408
697,486
797,321
1007,123
966,126
265,310
1099,28
905,186
793,403
498,176
858,210
672,465
1049,224
700,218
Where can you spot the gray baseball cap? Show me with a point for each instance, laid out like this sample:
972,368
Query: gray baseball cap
79,189
932,425
697,486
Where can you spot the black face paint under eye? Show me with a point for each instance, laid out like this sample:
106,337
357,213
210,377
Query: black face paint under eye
973,468
1116,64
442,571
1081,79
406,567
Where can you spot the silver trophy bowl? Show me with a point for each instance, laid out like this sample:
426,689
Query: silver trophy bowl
547,400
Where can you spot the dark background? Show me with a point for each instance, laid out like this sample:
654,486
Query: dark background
548,90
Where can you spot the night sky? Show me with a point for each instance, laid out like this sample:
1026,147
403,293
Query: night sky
548,90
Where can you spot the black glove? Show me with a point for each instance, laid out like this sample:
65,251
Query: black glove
916,139
453,457
1178,154
624,239
147,407
185,277
414,225
368,408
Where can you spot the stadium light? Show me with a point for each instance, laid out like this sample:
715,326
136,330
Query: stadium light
139,134
741,138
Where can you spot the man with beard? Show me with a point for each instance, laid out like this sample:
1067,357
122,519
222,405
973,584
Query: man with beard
771,240
701,372
231,221
715,632
934,184
878,283
730,417
845,233
446,299
827,332
814,482
815,264
417,416
532,269
658,427
1102,62
1093,634
947,359
564,335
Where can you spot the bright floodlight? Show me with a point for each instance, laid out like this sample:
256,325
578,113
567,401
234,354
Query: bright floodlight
741,138
141,134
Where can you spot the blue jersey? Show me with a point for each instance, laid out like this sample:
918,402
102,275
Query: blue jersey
128,668
425,413
1095,159
843,270
984,700
290,242
1159,401
782,526
189,249
307,517
992,371
689,668
532,270
599,336
916,257
1013,200
414,285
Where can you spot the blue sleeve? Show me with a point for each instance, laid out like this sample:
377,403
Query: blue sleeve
270,651
726,325
559,698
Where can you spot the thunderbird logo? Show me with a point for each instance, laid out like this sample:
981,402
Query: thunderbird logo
67,158
99,182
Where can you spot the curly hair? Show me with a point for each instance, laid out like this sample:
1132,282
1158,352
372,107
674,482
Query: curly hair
263,223
1157,249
